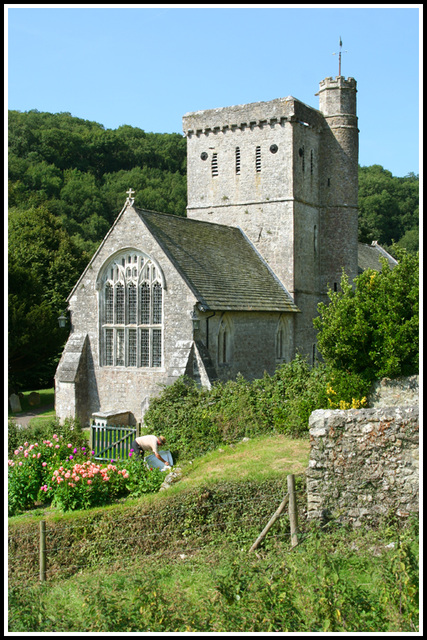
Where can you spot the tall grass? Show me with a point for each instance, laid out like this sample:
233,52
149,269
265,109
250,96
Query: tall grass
336,581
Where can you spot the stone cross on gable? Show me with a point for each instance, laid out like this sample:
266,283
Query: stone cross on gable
130,200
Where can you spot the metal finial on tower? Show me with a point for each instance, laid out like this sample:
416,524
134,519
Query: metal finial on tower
339,57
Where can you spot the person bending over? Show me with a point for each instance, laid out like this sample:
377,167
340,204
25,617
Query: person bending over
149,443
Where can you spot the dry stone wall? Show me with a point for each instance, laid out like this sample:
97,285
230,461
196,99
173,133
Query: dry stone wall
364,463
395,393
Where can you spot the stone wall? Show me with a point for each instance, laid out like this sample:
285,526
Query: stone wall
364,463
400,392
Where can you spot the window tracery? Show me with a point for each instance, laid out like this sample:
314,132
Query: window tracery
131,312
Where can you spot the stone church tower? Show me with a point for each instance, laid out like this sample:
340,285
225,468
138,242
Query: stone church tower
287,175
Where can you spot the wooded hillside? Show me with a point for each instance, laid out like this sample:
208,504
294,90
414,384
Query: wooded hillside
68,179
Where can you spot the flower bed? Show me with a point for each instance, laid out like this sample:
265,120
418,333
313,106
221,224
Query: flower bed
57,472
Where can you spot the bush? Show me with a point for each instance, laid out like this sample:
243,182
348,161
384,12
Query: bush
371,330
31,467
198,420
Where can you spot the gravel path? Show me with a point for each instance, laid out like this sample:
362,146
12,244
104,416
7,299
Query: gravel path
24,418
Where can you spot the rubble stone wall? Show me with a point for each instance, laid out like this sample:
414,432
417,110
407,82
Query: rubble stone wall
364,463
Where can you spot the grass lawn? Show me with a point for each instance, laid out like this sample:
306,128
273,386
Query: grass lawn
258,459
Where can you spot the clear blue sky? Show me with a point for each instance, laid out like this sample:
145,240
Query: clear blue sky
146,66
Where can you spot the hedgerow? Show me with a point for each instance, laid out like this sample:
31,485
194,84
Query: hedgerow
200,419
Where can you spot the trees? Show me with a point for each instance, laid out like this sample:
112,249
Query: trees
43,267
388,207
371,329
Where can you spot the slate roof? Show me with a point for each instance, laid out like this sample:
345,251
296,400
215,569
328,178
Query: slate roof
219,264
369,257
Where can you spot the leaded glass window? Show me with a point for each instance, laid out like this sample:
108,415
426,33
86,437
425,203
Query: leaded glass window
132,313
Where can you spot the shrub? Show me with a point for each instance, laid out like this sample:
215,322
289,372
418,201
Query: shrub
371,329
141,479
199,420
30,468
86,485
64,474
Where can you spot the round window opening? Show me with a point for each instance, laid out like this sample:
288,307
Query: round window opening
204,155
274,148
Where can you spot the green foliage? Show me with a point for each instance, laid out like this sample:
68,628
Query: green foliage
54,465
43,266
331,583
372,330
142,479
388,207
68,179
198,420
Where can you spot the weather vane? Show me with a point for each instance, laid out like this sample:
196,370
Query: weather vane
339,57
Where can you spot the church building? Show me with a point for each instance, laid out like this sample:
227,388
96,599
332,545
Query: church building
232,287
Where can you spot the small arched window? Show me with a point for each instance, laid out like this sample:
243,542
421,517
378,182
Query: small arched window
131,312
284,339
224,341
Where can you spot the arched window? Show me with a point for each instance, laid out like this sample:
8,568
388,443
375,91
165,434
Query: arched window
284,339
131,312
224,341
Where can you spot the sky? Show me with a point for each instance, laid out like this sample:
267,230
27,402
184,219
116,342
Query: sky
147,65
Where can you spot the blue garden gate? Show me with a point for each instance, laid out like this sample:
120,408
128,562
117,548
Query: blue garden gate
112,443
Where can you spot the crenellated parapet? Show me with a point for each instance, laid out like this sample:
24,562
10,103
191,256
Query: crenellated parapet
250,116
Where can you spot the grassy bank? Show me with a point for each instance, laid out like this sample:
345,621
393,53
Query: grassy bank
339,580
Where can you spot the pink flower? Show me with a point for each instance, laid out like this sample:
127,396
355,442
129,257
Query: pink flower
25,454
69,446
16,452
89,481
57,446
39,455
44,464
20,463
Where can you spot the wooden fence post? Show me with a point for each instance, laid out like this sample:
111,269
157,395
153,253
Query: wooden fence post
293,511
42,551
269,524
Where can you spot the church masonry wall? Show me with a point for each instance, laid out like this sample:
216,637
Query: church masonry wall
252,342
277,208
129,389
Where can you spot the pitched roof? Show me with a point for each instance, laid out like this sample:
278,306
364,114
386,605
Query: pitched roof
219,264
369,257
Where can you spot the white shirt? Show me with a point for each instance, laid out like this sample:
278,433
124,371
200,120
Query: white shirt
148,443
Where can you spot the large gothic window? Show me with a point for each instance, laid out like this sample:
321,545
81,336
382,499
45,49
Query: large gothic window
131,312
